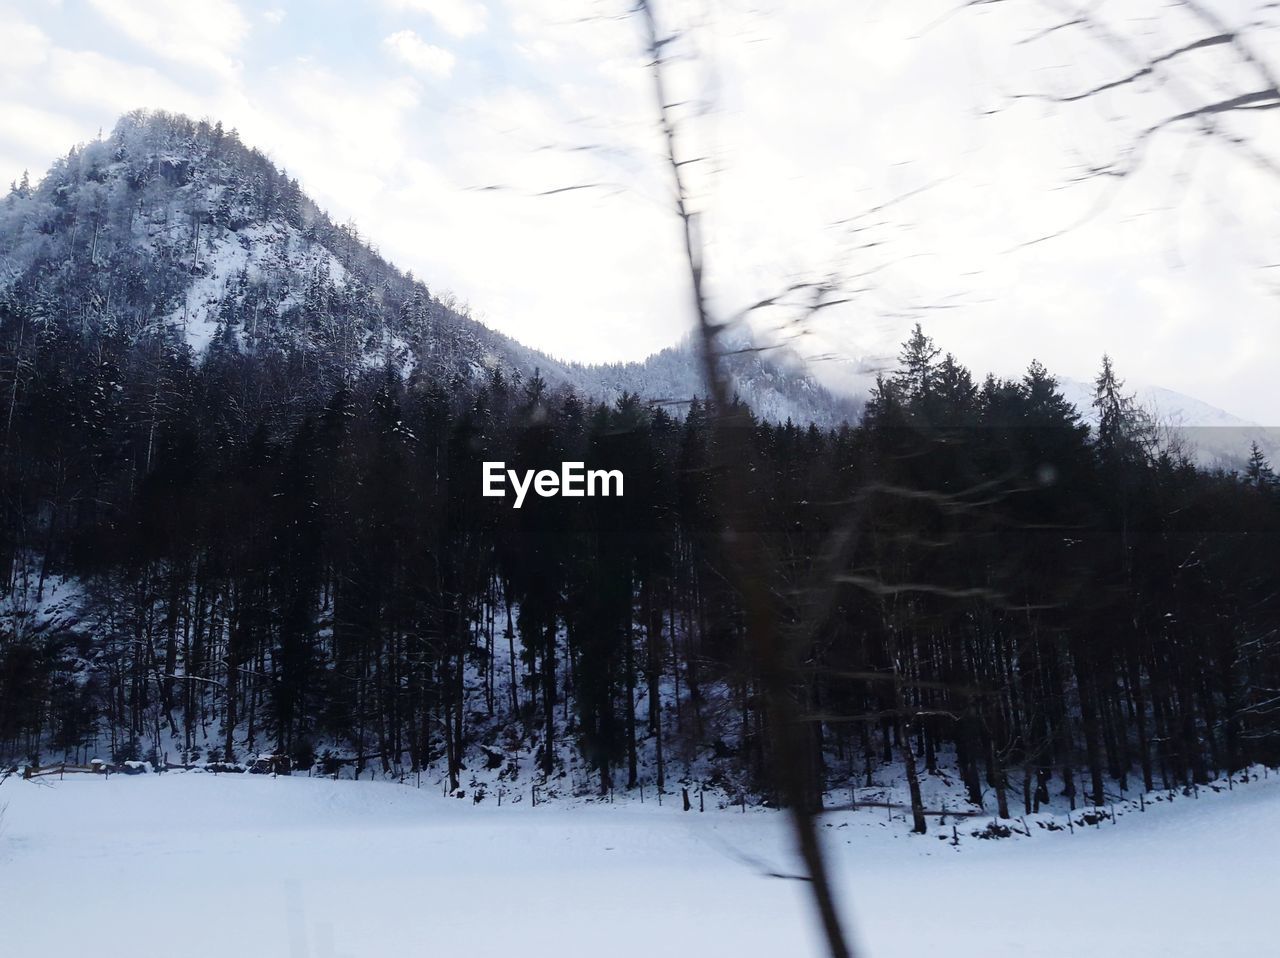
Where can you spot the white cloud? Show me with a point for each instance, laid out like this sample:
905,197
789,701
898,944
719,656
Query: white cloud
362,122
461,18
26,47
205,35
413,51
33,130
81,78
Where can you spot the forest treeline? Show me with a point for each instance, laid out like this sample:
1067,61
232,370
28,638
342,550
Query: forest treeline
1038,604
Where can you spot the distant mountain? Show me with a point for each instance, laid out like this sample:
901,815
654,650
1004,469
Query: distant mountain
174,227
1215,437
771,381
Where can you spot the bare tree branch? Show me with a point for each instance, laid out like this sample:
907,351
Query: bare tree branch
745,549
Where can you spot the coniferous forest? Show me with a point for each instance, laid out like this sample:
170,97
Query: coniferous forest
1048,606
277,543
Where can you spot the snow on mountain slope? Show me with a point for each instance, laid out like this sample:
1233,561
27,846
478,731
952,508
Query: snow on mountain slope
1216,437
199,865
258,252
1169,407
773,383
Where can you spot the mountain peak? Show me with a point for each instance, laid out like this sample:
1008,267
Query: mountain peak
173,228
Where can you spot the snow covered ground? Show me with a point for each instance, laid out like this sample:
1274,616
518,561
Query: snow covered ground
189,864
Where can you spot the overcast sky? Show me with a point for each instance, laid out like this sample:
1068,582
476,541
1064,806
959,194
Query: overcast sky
400,114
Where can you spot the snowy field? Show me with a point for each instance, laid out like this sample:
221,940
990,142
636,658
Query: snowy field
202,865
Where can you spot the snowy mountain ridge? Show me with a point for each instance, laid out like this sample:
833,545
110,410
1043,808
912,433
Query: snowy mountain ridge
175,226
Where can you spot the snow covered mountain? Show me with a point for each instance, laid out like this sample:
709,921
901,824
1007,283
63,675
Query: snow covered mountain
175,226
1213,436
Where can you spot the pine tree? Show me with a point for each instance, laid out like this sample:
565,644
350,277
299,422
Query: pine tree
1125,431
917,375
1258,470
